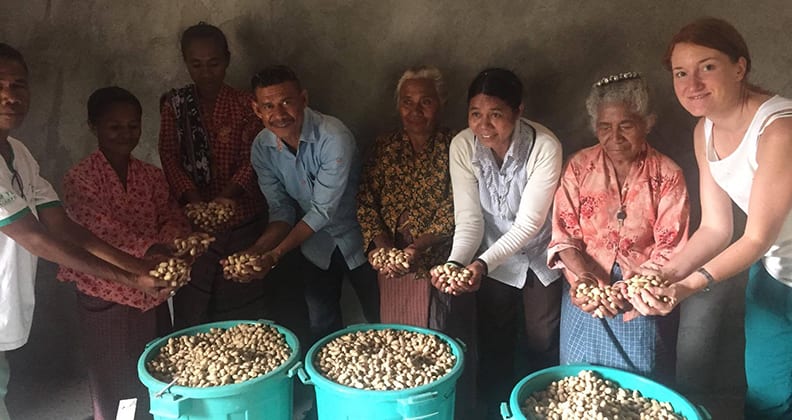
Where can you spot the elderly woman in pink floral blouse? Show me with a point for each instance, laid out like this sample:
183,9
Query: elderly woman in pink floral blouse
620,204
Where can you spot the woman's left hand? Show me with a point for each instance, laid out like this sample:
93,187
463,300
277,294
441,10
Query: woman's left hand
472,285
650,301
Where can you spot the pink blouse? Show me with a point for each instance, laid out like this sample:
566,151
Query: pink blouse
130,219
653,202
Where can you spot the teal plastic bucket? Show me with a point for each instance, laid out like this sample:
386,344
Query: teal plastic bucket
648,388
268,396
338,402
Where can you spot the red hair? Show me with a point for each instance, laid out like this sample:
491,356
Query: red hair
711,33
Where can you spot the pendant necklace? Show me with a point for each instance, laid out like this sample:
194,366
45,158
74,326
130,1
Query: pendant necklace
621,215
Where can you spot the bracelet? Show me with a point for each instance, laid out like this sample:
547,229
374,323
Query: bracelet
455,264
710,280
484,263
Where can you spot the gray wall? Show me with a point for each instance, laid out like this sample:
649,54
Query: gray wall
349,54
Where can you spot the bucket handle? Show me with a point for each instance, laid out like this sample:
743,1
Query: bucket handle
505,411
705,414
165,388
294,370
461,344
419,406
303,375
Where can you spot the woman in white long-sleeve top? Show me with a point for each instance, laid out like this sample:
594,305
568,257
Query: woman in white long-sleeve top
504,172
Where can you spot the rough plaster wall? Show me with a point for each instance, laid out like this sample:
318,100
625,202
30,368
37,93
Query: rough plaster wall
349,54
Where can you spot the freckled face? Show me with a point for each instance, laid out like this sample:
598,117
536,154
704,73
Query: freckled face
706,81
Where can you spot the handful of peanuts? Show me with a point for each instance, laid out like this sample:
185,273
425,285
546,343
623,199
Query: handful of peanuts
385,257
238,267
451,275
636,283
175,271
209,216
608,295
193,245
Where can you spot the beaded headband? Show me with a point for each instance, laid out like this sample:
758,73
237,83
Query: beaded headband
617,78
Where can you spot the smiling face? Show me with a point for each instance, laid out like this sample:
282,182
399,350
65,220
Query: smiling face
14,95
206,61
492,121
419,106
118,130
706,81
620,132
281,108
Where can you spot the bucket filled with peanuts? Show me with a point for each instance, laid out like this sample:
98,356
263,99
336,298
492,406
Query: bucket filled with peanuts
581,392
384,371
222,369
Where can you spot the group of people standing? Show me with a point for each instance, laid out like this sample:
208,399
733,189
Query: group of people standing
495,198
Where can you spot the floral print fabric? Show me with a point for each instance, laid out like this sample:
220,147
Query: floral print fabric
587,202
404,190
130,219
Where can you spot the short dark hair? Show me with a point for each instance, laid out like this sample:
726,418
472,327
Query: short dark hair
102,98
274,75
10,53
500,83
203,30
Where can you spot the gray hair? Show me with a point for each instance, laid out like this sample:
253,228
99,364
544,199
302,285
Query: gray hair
424,72
629,89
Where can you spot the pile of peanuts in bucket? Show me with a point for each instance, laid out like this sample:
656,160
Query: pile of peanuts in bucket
220,356
385,360
587,396
209,216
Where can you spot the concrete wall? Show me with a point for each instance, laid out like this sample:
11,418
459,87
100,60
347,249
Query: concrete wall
349,54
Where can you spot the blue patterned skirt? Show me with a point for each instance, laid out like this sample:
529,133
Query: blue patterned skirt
585,340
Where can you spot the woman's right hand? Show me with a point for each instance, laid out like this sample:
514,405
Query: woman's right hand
597,307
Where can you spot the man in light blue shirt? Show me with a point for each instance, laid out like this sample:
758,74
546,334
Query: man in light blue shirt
307,165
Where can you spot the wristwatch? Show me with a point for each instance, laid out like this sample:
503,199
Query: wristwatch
710,280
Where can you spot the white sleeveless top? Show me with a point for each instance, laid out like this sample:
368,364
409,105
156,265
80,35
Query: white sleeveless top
735,174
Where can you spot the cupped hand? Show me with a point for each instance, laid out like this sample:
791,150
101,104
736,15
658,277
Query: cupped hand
660,300
474,283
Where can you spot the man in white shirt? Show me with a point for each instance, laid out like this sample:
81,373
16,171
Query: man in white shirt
33,224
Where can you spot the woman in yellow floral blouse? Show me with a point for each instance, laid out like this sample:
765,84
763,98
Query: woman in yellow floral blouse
405,199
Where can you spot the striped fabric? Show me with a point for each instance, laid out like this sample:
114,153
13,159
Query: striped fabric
405,300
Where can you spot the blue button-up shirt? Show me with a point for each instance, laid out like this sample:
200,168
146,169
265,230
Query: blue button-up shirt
321,179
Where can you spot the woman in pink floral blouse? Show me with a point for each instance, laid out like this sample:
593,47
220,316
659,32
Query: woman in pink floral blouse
126,203
620,204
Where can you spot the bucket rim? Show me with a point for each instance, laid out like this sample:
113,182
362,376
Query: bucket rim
320,381
606,372
155,385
